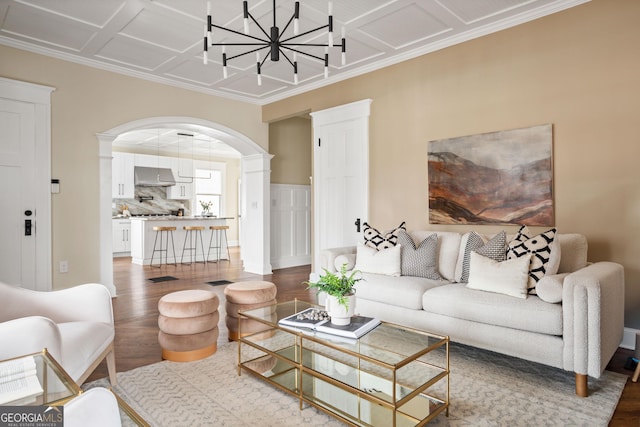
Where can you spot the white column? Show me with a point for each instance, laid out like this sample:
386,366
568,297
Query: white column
255,214
106,242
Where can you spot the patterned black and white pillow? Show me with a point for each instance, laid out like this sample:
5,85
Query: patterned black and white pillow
375,239
494,249
539,247
420,261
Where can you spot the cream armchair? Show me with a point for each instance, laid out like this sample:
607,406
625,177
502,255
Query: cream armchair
96,407
75,325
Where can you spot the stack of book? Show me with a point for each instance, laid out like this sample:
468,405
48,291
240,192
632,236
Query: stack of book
19,381
318,320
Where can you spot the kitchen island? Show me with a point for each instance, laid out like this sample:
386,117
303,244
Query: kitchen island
143,236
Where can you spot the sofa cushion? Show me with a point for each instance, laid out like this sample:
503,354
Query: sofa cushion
385,261
507,277
403,291
530,314
539,249
420,260
574,252
375,239
494,249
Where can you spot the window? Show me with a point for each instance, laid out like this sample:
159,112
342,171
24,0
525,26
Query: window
208,189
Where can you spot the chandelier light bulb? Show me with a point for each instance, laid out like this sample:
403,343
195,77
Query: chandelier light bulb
344,47
245,7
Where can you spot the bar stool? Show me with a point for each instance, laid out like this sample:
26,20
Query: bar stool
166,231
192,230
219,231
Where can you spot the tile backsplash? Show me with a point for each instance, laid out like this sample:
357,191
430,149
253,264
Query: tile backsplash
159,205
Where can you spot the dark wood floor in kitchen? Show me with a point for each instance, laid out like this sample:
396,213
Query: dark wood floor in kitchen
136,315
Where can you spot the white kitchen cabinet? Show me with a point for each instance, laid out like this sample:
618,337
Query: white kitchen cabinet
121,235
183,173
152,161
122,186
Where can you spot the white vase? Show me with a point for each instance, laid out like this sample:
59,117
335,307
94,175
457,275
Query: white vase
337,312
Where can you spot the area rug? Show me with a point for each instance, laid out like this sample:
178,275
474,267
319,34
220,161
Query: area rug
487,389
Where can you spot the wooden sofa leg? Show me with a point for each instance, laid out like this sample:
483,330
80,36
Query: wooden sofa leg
111,366
582,387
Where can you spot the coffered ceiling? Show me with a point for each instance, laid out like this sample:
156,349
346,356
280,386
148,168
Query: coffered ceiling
162,40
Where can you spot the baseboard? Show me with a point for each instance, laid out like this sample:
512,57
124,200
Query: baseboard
629,338
290,261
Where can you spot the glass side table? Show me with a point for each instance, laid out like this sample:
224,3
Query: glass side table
38,379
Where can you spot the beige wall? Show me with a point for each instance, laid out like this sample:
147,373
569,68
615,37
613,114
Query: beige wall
290,144
88,101
576,69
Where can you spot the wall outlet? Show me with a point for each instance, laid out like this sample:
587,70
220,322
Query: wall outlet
64,266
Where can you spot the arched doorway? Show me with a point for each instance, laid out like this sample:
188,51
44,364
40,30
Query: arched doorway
255,176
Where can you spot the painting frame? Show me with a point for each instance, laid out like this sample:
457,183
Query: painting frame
494,178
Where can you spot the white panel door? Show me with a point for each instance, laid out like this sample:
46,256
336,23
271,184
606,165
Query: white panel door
25,253
340,176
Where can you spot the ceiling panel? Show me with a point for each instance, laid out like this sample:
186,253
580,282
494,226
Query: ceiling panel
162,40
417,25
134,53
97,13
472,11
169,30
46,28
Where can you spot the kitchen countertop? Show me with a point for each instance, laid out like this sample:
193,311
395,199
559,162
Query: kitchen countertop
176,218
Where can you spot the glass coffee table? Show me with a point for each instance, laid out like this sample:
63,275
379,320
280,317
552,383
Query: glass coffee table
392,376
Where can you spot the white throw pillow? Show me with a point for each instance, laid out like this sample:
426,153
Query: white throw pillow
507,277
385,261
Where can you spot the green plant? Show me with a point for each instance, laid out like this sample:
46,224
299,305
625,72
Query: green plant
206,205
338,285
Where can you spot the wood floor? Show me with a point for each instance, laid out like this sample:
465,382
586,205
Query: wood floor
136,315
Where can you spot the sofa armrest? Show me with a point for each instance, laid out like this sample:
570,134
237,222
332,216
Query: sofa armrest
328,257
593,317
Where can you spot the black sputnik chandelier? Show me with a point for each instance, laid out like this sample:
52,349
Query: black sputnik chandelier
276,42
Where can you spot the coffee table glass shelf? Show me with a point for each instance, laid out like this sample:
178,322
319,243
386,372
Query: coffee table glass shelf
392,376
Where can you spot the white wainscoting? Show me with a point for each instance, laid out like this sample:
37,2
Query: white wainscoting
290,225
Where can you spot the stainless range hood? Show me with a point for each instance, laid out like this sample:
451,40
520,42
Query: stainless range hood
153,177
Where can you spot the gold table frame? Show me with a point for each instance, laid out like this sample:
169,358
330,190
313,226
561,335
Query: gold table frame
387,377
52,375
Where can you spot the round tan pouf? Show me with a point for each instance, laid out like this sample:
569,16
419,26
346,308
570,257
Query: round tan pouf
243,296
188,323
250,292
189,303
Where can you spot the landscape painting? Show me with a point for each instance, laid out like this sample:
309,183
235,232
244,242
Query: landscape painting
501,177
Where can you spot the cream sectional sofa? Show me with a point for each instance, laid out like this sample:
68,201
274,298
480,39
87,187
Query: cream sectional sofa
579,330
